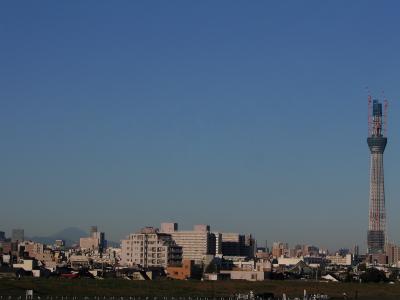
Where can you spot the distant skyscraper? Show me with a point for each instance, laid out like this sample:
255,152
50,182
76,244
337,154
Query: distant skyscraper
2,236
280,249
356,251
95,242
377,214
17,235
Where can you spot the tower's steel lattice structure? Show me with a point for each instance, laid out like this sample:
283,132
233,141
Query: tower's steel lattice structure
377,215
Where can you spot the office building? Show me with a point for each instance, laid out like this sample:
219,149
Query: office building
233,244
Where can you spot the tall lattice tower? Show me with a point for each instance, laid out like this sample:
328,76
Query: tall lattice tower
377,142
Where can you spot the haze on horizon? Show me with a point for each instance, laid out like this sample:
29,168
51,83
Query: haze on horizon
250,117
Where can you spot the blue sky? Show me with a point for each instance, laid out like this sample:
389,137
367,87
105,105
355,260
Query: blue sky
249,116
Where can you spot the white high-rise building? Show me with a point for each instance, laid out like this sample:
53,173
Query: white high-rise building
196,244
150,248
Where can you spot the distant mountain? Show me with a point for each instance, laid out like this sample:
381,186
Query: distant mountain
70,235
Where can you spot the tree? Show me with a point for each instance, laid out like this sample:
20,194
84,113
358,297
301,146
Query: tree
211,268
394,275
362,267
373,275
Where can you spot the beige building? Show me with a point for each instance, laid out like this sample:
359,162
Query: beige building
289,261
169,227
393,253
150,248
95,242
280,249
245,275
249,270
340,260
201,227
39,252
79,261
26,264
33,248
89,243
196,244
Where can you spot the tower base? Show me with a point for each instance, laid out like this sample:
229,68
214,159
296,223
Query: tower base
376,241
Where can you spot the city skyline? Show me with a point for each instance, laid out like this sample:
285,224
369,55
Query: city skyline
248,118
74,236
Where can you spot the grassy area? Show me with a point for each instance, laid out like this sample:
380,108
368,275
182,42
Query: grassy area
120,287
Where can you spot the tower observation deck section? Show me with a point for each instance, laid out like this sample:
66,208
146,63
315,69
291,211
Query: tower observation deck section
377,215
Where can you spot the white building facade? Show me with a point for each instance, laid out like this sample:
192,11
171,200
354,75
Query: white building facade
149,248
196,244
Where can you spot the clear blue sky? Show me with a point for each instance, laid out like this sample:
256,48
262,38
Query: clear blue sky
249,116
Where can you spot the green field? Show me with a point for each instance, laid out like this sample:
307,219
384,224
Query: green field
119,287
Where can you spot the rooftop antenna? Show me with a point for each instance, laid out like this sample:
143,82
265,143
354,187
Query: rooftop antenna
369,112
385,114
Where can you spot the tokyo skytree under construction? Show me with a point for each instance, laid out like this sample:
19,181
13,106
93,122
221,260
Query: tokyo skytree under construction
377,142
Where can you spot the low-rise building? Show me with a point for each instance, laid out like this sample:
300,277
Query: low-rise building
79,261
339,260
289,261
182,272
263,265
245,275
26,264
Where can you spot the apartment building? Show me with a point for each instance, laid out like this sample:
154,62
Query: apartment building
196,244
150,248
